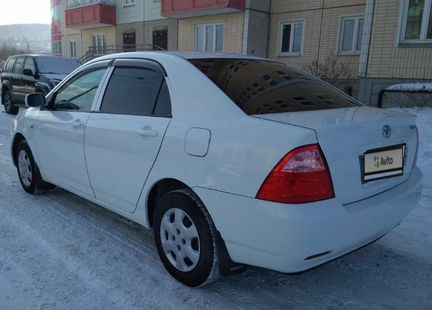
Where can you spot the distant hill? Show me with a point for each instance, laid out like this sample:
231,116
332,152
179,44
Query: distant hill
36,32
35,37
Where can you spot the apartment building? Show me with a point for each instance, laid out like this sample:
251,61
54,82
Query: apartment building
64,41
84,29
362,46
230,26
397,46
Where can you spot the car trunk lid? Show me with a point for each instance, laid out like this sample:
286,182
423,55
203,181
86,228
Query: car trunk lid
346,135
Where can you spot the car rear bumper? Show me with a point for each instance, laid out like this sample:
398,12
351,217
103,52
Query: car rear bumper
285,237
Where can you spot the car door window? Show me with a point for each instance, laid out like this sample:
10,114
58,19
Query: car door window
79,94
10,64
19,65
132,91
29,64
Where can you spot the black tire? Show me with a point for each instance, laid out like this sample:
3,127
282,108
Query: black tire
206,269
7,101
33,182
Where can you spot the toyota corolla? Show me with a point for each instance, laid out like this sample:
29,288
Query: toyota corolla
231,160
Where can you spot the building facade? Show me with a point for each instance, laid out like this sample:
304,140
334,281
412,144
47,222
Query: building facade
362,46
85,29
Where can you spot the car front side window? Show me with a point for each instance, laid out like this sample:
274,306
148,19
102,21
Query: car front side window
78,95
30,65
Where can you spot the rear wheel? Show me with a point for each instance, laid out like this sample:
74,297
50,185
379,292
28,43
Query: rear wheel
28,171
8,103
185,238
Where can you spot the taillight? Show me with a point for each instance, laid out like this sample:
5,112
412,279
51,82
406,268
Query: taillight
417,149
302,176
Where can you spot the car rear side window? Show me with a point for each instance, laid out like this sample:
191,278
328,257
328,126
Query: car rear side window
19,65
266,87
133,91
9,65
163,104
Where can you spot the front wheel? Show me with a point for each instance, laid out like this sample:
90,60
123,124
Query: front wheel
185,238
28,171
9,106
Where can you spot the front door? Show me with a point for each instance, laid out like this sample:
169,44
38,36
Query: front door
60,132
160,39
129,42
29,81
123,139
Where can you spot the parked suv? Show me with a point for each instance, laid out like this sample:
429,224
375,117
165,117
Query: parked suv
26,74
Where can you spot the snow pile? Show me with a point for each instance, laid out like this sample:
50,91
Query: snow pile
412,87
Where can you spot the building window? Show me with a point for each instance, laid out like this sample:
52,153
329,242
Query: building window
72,49
209,38
351,35
128,2
291,39
417,21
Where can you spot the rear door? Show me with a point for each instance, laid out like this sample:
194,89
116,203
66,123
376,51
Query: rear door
18,89
29,81
123,139
7,74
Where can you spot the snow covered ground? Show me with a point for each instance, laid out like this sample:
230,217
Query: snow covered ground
59,251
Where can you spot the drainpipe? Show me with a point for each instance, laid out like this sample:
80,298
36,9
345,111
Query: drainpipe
365,49
366,40
246,27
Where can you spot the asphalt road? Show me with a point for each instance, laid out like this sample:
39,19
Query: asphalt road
60,251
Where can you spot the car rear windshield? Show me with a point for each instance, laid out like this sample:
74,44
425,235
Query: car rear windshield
56,65
266,87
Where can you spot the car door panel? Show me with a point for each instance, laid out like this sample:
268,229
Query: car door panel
18,89
60,144
123,139
120,151
29,82
61,127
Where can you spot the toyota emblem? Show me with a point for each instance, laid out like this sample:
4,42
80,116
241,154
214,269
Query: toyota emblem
386,131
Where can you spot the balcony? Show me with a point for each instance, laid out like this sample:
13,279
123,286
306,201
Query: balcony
191,8
85,14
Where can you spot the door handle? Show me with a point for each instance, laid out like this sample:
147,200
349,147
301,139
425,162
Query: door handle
77,123
147,131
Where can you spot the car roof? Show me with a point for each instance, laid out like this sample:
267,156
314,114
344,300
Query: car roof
184,55
38,56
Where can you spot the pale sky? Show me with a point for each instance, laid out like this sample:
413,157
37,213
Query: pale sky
25,12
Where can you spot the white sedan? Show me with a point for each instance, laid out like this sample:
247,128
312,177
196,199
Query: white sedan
232,160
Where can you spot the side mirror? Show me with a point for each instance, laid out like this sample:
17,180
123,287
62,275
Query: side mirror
28,72
35,100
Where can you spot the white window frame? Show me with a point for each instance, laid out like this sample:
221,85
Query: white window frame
424,26
291,53
127,3
73,48
103,40
356,34
214,37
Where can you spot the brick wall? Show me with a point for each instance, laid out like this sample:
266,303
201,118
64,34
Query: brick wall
315,13
389,59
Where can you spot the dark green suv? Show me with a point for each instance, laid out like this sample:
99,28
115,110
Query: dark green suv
26,74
